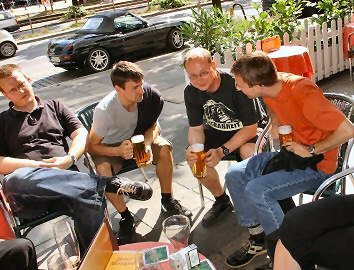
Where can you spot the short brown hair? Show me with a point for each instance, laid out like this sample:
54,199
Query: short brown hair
124,71
255,69
197,53
7,71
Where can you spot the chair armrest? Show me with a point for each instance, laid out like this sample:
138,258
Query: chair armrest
88,162
330,181
261,138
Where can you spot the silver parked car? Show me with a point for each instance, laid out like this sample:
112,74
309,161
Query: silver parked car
8,21
8,45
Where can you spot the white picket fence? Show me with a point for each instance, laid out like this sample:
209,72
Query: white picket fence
325,45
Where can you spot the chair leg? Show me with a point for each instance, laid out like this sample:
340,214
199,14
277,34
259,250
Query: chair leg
350,69
201,194
144,174
301,198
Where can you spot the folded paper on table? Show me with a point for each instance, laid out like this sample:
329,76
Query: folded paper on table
123,260
101,249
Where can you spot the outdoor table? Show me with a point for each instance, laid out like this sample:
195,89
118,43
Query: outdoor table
293,59
349,28
147,245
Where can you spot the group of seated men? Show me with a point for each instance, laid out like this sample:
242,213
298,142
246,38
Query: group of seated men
39,165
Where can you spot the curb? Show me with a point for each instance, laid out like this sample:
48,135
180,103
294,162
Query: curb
148,15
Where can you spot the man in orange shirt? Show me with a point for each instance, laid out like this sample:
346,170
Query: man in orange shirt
318,127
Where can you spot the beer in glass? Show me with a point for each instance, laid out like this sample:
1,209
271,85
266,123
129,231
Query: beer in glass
199,167
285,134
141,156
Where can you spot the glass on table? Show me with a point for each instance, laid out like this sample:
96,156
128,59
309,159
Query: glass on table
177,230
67,242
58,261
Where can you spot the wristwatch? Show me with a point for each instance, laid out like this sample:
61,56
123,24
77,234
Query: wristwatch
73,158
311,149
225,150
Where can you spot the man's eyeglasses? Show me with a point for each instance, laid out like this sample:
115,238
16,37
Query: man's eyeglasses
18,88
202,75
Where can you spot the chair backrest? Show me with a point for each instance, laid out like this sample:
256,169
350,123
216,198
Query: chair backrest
85,115
345,105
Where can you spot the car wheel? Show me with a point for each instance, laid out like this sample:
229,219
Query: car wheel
98,60
7,49
175,39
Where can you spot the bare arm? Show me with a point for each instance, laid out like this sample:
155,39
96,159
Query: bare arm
151,134
196,135
9,164
97,148
237,140
76,149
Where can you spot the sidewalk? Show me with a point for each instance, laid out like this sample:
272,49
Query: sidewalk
165,73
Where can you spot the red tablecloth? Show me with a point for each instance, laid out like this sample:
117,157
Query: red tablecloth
349,28
293,59
146,245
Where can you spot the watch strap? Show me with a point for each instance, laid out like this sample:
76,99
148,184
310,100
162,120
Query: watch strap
73,158
225,150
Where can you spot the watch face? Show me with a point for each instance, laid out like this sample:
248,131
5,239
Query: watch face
225,150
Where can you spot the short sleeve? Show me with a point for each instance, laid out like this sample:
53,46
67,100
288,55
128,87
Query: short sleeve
67,118
317,109
101,122
246,109
194,106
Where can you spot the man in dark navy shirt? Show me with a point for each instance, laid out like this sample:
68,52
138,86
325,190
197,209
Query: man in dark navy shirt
39,165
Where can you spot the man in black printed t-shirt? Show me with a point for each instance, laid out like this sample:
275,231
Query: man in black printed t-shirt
221,118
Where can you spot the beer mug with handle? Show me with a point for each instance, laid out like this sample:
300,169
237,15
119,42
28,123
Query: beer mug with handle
141,156
177,230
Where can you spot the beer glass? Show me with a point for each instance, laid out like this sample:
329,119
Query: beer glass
58,261
177,230
285,134
199,168
142,158
67,242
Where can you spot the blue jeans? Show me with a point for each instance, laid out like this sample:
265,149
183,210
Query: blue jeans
255,196
32,191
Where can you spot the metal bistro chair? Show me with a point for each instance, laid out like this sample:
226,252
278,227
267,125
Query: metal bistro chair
343,103
22,226
85,115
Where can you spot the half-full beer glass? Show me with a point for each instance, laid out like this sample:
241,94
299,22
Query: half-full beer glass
199,167
142,158
285,134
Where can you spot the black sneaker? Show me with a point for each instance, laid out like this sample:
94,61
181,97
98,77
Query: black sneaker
173,207
133,189
246,254
218,209
126,230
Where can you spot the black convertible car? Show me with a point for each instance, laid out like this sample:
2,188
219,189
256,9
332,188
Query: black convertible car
111,35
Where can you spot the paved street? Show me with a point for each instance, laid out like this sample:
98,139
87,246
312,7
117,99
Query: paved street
165,73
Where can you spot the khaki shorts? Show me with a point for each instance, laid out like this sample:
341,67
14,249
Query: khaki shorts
117,163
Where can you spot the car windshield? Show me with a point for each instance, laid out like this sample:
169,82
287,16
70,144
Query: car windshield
92,24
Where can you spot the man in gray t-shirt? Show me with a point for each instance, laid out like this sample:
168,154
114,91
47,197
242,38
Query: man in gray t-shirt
131,109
